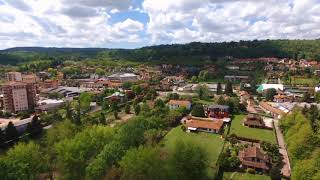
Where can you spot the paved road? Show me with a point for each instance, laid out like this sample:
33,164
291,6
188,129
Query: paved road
286,171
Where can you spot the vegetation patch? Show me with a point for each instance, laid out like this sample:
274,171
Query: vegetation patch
239,129
212,143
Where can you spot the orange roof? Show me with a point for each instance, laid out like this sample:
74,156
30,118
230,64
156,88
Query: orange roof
270,108
179,102
217,124
14,83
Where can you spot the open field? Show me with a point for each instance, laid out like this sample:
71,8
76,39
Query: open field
260,134
304,81
243,176
212,143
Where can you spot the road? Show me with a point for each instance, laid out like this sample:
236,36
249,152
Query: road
286,170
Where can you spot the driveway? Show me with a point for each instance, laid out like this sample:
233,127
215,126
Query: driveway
286,170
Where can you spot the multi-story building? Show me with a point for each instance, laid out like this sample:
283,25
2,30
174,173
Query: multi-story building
13,76
18,96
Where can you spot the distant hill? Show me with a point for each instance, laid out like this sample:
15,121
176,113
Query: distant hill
176,53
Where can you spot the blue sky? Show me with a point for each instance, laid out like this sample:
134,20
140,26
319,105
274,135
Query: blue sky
137,23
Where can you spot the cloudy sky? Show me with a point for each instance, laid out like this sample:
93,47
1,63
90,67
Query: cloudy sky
136,23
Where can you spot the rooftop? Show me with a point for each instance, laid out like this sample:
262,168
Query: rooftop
216,125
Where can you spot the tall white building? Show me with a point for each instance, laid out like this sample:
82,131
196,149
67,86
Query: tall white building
13,76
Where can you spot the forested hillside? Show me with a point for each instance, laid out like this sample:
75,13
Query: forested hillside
176,53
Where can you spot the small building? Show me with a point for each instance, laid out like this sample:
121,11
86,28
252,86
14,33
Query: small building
205,125
275,112
49,83
254,121
281,98
217,111
264,87
123,77
175,104
13,76
254,158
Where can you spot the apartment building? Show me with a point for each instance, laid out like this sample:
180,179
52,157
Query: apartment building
13,76
18,96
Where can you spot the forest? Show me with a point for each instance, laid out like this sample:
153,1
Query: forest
191,53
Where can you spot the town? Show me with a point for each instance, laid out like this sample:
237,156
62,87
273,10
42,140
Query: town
249,118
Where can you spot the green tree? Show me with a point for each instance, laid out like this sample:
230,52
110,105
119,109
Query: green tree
102,119
253,87
137,89
188,161
198,111
23,161
228,89
202,91
73,154
194,79
34,128
100,72
137,109
317,97
142,163
305,97
270,93
127,109
219,89
160,104
11,132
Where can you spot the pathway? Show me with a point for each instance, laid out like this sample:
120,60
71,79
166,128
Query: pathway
286,171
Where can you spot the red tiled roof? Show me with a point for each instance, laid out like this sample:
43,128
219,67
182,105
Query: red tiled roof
179,102
216,125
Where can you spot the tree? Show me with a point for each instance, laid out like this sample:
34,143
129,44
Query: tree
85,100
142,163
137,89
270,93
194,79
221,100
137,109
198,111
34,128
68,111
102,118
253,87
228,89
305,97
115,109
127,109
188,161
11,132
2,137
73,154
23,161
202,91
100,72
317,97
219,89
160,104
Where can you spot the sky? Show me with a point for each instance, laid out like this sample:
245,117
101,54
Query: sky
137,23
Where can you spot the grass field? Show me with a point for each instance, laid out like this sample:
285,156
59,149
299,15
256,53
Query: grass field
212,143
304,81
260,134
243,176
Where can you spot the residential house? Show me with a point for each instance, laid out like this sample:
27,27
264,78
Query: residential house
281,98
275,112
254,158
204,125
175,104
254,121
218,112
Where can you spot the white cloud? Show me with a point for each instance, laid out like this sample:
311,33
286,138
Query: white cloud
65,23
226,20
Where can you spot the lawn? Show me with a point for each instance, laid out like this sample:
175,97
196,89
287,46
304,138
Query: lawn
243,176
243,131
212,143
304,81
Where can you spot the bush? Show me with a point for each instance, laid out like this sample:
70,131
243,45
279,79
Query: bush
251,171
184,129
